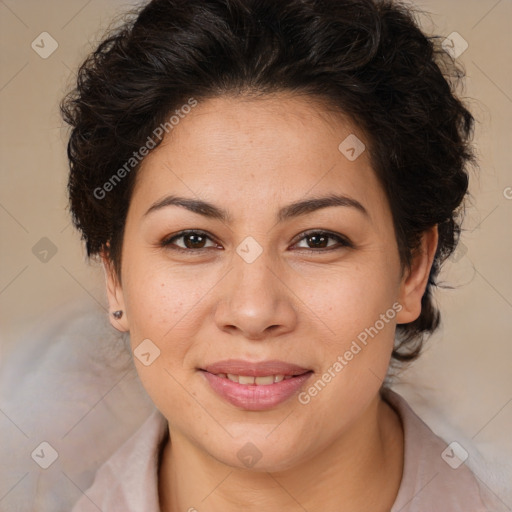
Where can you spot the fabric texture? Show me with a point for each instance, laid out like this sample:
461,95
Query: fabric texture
434,478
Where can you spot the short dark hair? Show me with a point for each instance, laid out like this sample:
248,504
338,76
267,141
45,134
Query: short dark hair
367,58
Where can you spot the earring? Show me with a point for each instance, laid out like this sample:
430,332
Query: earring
117,314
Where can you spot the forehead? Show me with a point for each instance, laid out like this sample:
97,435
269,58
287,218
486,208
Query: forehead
274,126
258,150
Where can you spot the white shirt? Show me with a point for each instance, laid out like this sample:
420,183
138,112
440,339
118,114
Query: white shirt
128,481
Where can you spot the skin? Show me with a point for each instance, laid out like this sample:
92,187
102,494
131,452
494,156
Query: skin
297,302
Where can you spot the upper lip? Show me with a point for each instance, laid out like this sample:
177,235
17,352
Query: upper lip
255,369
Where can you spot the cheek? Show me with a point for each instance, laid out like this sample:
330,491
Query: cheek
162,305
354,298
161,300
360,312
357,309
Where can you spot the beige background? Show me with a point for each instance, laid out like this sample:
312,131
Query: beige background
463,383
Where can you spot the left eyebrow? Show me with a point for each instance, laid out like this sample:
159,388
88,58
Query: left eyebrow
290,211
316,203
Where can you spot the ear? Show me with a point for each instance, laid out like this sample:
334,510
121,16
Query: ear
115,295
415,278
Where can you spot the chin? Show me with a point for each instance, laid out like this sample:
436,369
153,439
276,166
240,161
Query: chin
257,454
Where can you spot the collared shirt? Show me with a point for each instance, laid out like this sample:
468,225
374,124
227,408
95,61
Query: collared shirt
434,478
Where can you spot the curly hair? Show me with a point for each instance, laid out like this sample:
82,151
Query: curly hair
367,58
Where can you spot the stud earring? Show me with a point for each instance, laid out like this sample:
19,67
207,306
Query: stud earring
117,314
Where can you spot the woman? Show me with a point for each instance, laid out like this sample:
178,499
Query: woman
272,188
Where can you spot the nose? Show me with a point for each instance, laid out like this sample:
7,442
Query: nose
257,303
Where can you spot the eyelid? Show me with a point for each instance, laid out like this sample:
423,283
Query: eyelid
343,241
166,242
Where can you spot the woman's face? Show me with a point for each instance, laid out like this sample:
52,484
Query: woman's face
300,298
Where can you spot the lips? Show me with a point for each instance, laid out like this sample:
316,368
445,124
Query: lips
255,386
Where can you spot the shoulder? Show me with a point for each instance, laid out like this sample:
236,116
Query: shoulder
434,475
128,480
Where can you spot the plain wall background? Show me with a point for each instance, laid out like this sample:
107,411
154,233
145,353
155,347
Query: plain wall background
463,381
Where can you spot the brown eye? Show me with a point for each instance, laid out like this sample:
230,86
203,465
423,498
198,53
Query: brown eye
318,241
188,240
194,241
321,240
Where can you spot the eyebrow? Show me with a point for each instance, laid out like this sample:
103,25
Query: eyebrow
290,211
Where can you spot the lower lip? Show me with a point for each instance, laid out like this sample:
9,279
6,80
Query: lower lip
253,397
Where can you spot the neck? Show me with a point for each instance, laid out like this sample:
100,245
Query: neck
361,470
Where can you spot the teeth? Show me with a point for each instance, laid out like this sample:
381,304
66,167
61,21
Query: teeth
259,381
264,381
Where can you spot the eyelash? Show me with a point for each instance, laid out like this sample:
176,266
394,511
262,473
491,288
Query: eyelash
343,242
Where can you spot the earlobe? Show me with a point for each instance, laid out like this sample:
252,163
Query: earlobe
414,281
117,311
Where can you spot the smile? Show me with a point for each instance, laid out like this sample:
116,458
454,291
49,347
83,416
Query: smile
255,386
